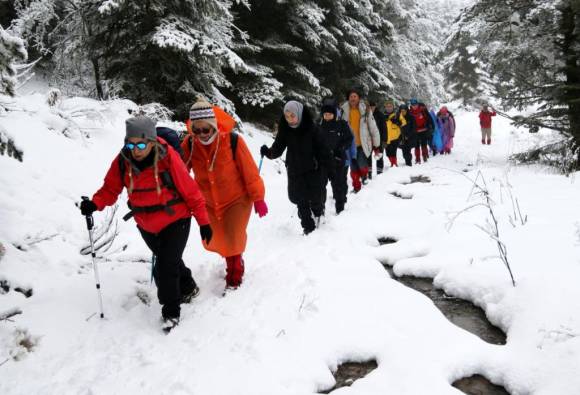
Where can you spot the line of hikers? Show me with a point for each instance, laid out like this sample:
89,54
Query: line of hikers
155,167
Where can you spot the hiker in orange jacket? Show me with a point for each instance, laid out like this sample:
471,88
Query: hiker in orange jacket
229,180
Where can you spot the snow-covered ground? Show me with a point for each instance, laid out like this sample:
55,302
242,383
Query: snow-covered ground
307,303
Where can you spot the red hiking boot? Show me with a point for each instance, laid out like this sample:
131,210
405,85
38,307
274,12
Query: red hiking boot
356,181
234,271
425,153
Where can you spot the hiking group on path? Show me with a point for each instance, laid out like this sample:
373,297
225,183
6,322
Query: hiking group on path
155,167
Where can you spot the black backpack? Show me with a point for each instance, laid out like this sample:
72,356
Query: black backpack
171,137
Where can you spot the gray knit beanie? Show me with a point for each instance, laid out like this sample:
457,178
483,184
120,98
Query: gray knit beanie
142,127
295,108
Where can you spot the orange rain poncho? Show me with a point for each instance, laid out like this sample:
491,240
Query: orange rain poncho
230,186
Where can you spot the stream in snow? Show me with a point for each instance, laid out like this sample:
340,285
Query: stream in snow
462,313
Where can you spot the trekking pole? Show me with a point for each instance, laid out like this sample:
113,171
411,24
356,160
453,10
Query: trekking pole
90,224
260,165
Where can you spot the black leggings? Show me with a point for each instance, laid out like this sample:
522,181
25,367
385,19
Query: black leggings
172,277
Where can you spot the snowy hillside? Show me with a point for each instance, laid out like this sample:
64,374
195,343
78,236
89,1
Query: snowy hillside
307,303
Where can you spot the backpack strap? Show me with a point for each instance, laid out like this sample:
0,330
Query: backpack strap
154,208
122,168
167,182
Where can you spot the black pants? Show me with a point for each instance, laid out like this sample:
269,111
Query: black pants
172,277
423,139
392,148
406,148
370,172
381,162
306,191
339,184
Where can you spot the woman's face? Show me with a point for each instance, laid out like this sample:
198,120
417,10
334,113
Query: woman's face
291,118
354,100
328,116
202,130
139,148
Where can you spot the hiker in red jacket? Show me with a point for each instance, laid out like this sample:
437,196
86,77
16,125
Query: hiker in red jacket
424,127
162,198
485,122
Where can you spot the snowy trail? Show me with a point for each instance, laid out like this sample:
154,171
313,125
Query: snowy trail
307,303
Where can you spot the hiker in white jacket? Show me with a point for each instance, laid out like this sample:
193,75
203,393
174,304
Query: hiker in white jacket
366,135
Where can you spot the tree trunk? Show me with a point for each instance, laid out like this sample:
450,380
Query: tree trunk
570,42
98,84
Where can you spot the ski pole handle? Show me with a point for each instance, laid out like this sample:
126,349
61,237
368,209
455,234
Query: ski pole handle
89,218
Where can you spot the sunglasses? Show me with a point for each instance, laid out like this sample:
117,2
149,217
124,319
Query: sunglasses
202,131
140,146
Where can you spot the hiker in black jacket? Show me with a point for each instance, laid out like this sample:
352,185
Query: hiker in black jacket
381,121
338,138
307,160
408,134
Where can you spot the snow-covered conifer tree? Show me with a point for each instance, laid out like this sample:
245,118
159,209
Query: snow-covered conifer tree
11,51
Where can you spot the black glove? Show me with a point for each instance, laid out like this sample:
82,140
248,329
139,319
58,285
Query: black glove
206,233
264,150
88,207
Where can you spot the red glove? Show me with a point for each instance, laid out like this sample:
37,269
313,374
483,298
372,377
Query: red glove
260,208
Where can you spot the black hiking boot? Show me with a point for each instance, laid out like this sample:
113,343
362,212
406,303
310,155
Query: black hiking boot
188,297
169,323
309,230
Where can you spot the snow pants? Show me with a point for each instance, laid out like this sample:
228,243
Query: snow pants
338,182
306,192
172,278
